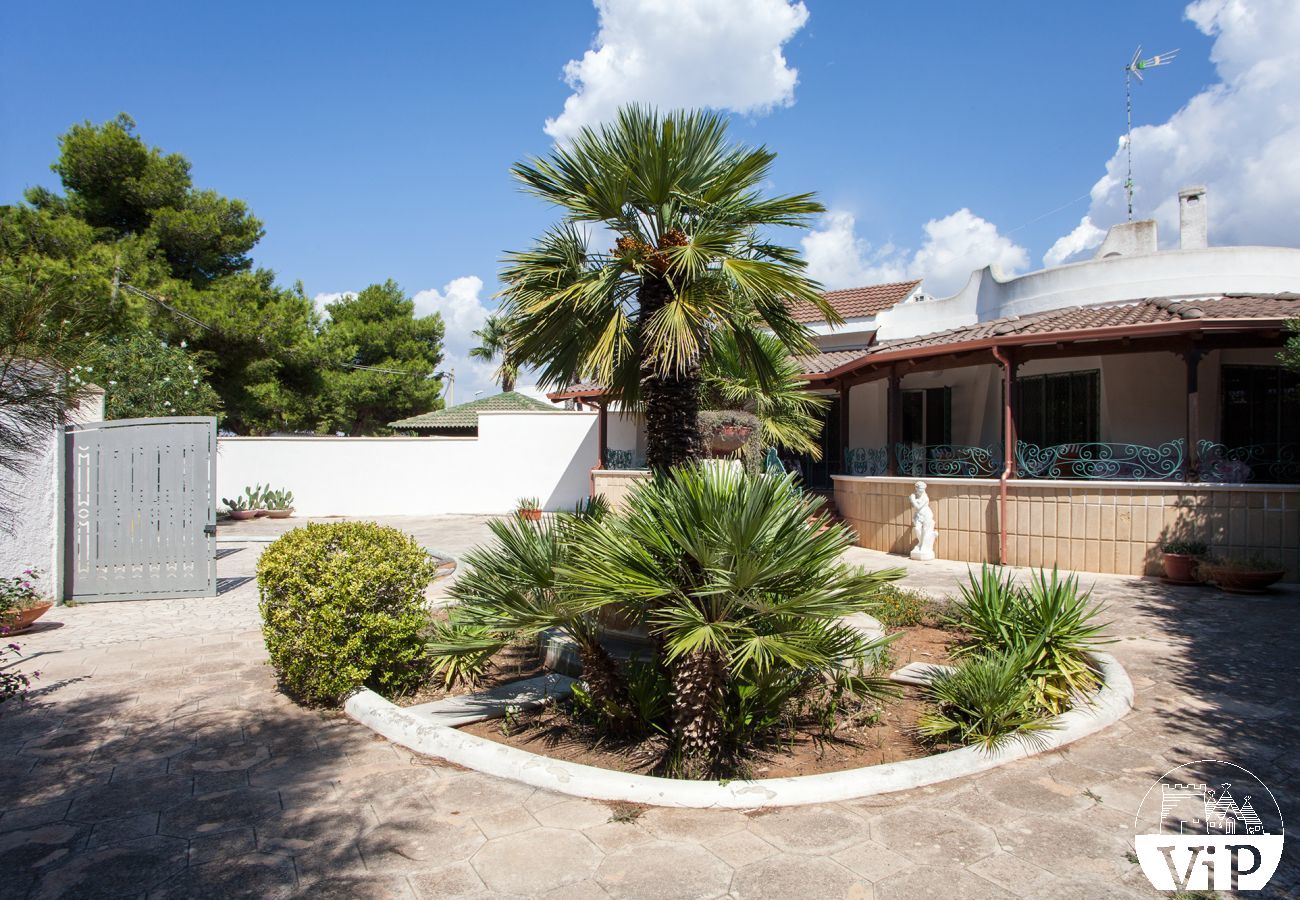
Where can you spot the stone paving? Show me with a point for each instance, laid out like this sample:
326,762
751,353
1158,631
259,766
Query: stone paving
157,758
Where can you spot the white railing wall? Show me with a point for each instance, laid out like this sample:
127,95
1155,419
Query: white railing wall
547,455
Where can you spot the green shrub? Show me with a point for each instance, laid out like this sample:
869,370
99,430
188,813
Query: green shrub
1185,548
1049,624
986,701
343,606
899,608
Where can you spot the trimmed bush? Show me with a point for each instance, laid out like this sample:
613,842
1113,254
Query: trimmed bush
343,606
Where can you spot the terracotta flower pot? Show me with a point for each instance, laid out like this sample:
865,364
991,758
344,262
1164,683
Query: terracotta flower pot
1180,568
259,513
23,619
1241,581
529,515
279,513
240,515
729,438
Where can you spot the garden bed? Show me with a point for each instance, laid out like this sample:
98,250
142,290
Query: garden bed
883,735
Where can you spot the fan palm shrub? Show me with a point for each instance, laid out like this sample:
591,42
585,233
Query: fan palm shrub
1048,623
986,701
692,259
743,597
509,591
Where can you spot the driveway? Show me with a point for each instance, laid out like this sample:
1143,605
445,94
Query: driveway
158,758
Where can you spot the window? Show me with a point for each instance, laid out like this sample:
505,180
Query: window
1261,405
927,416
1064,408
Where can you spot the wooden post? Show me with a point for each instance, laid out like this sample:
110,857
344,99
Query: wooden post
844,423
602,433
894,415
1192,357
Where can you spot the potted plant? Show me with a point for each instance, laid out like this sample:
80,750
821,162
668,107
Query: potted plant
279,504
20,603
257,499
726,431
529,508
1180,559
238,508
1242,575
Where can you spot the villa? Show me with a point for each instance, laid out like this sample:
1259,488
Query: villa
1077,416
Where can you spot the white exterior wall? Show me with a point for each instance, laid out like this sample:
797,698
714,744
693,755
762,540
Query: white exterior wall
34,535
547,455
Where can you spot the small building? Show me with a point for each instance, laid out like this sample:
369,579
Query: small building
462,420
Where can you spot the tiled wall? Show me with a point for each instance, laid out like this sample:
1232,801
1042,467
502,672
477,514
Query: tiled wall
615,484
1088,526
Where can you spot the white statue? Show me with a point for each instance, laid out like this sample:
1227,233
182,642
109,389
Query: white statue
922,523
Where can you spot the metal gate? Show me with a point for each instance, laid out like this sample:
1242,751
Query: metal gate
141,509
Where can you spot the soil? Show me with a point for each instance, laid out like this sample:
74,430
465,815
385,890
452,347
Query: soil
854,744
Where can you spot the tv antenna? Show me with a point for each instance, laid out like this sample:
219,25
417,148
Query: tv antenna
1136,66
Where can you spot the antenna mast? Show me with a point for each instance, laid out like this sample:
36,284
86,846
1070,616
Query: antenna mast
1136,66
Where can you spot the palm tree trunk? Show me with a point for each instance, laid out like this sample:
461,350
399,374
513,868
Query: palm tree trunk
672,401
698,681
604,680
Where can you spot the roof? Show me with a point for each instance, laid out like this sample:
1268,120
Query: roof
819,363
1148,317
856,303
465,415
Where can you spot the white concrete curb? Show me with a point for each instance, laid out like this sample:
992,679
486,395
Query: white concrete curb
1109,705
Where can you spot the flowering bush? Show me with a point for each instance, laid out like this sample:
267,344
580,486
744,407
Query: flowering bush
144,377
17,592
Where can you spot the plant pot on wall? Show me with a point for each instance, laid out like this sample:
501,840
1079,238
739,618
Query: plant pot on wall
726,431
279,513
240,515
529,515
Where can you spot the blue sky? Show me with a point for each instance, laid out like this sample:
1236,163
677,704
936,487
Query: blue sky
374,140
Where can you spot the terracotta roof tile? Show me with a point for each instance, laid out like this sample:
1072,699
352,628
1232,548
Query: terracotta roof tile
1079,318
819,363
856,303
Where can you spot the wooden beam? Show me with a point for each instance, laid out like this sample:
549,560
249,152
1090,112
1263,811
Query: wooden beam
1192,357
895,419
844,422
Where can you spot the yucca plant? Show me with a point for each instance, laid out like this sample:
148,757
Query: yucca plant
986,701
1058,620
693,257
738,590
509,592
1048,623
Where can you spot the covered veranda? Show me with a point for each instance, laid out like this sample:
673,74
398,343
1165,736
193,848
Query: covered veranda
1082,437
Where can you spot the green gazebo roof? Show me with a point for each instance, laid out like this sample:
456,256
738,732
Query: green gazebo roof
465,415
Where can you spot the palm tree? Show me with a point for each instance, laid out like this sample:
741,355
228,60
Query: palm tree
691,260
737,587
789,415
493,342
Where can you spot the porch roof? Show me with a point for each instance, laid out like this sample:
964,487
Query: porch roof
1152,317
856,303
465,415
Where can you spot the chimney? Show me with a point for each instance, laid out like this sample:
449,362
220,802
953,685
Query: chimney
1193,219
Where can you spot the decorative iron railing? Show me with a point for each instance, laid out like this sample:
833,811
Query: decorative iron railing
1096,460
1268,463
624,459
948,460
866,460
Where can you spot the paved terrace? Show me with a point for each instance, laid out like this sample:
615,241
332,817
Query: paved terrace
158,758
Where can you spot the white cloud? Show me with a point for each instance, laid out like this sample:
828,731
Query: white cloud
462,311
958,244
723,54
324,299
1238,136
1085,236
954,246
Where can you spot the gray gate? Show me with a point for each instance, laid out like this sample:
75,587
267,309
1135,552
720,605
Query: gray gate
141,511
